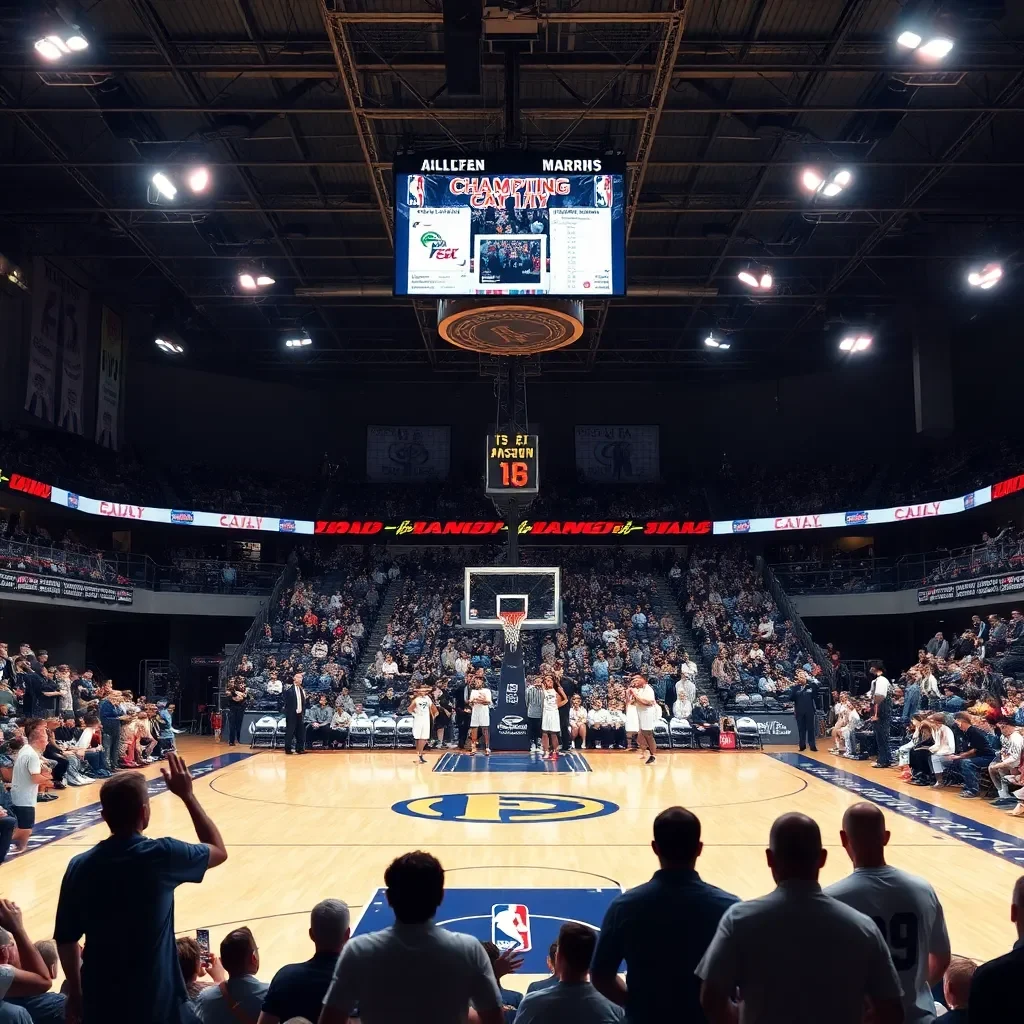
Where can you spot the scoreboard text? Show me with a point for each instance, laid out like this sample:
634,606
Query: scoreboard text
511,464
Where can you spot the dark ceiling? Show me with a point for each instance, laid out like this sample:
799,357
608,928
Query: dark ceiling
300,105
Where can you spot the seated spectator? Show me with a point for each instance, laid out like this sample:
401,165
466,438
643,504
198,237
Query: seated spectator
574,998
956,989
194,966
23,971
298,990
240,996
510,999
543,983
48,1007
417,951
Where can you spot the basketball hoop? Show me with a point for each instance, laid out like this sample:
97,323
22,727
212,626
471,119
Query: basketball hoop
512,624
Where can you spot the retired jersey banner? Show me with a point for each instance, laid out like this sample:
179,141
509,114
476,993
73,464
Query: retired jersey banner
407,454
74,318
44,340
614,454
108,388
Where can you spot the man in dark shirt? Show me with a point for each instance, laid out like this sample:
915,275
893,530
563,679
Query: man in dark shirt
148,979
298,990
661,929
975,756
803,695
568,684
995,989
704,719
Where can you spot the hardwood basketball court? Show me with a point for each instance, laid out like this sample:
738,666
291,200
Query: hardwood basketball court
300,829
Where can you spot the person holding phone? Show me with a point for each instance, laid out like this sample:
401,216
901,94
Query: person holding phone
148,979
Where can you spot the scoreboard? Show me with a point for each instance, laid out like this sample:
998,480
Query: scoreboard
511,465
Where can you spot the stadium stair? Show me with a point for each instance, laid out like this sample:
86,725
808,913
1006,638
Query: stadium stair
387,607
668,600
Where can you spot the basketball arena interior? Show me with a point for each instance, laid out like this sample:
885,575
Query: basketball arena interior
506,506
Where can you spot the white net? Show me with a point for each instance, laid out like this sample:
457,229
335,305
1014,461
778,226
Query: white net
511,623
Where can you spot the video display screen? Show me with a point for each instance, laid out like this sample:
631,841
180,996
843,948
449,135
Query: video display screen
510,224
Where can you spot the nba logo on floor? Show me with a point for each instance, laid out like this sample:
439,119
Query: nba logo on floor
510,927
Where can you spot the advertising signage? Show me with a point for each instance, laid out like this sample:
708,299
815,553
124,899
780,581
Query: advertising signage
410,528
16,581
962,590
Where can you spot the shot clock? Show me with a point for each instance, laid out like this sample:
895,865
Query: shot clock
511,465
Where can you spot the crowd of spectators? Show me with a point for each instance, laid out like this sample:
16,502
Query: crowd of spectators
61,727
755,656
957,714
711,968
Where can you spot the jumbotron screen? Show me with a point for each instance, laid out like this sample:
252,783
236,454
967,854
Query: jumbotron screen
510,224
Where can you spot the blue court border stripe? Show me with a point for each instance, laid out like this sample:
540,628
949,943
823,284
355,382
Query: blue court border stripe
967,830
78,820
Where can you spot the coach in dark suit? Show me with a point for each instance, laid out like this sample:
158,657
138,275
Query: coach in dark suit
295,704
995,989
804,697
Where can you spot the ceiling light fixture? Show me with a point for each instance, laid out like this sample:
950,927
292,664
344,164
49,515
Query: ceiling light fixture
170,347
163,185
827,183
929,45
988,277
198,178
855,343
253,277
63,41
758,278
298,339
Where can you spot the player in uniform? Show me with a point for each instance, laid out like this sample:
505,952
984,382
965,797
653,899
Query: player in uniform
480,700
550,723
905,908
422,709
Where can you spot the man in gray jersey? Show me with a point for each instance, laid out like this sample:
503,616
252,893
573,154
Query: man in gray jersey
905,908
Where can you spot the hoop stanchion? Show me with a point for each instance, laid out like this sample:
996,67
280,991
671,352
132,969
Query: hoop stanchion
511,624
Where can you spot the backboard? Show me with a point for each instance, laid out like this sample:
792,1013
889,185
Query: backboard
492,589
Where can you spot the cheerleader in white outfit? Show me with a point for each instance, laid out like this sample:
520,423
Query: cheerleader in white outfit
480,701
422,709
577,723
647,714
550,724
632,719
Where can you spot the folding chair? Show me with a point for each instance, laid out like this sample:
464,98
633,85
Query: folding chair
282,730
263,732
384,731
681,733
403,733
662,737
360,735
747,735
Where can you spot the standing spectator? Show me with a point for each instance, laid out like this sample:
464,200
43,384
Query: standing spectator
995,989
298,990
905,907
240,997
881,713
938,646
295,703
642,928
237,695
574,998
785,919
27,776
149,980
110,723
420,953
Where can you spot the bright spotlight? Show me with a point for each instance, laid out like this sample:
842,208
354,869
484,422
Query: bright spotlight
758,278
712,342
842,178
198,179
247,281
51,48
299,339
164,185
811,180
253,277
937,48
855,343
76,43
170,347
722,346
908,40
264,281
831,190
988,277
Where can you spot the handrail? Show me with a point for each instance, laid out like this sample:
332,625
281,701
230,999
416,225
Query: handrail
128,569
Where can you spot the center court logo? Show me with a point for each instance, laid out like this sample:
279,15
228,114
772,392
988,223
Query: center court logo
505,808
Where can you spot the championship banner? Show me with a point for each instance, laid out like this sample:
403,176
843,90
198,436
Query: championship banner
14,581
108,386
407,454
986,586
612,454
44,339
74,319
